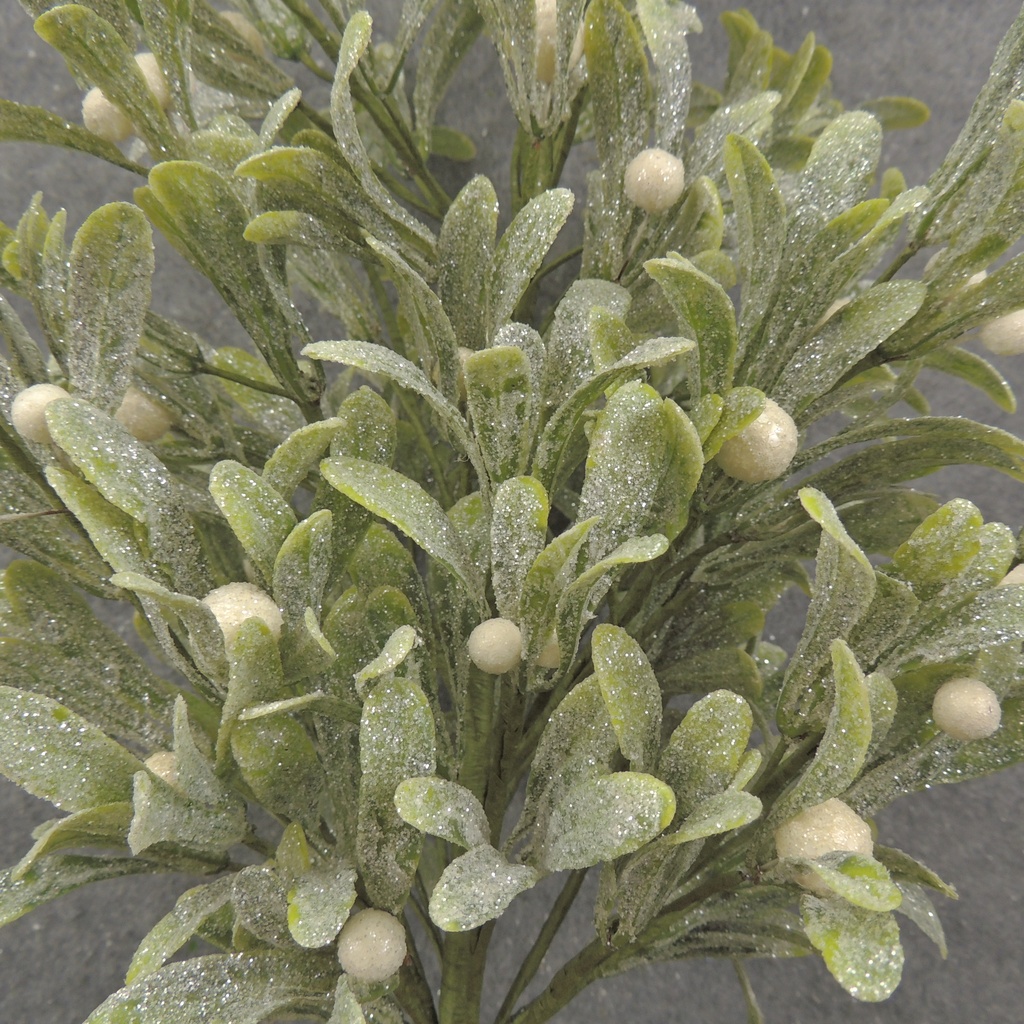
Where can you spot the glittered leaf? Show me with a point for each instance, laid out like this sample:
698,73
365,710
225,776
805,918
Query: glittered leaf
442,808
519,523
476,887
319,902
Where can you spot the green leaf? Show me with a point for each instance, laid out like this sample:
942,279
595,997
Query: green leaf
477,887
442,808
761,227
706,312
916,906
300,452
522,249
544,583
245,988
978,372
396,742
940,548
643,466
173,930
904,868
61,873
631,692
95,49
717,814
861,948
861,881
599,819
127,474
53,753
500,397
704,751
620,100
168,28
319,903
841,752
21,123
346,1007
105,826
844,585
897,112
465,256
404,504
258,516
399,646
519,524
548,465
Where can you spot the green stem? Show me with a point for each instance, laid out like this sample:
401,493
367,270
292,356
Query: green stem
462,975
542,943
237,378
573,977
327,40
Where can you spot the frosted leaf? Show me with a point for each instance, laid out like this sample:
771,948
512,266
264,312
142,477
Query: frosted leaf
319,902
245,988
52,753
631,692
105,826
176,928
519,522
399,646
259,517
861,948
477,887
844,586
905,869
75,659
300,452
269,414
705,311
61,873
848,336
346,1007
111,264
259,896
916,906
577,602
860,880
740,407
522,249
717,814
644,462
940,548
577,743
465,256
760,227
406,505
599,819
396,742
564,425
500,397
128,475
840,754
665,26
568,342
442,808
751,119
377,359
551,572
281,765
343,118
705,749
978,372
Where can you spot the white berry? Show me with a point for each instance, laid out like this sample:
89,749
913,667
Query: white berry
1014,578
496,646
762,450
105,119
163,764
28,411
966,709
371,946
654,180
143,417
235,603
1005,335
247,30
824,828
150,68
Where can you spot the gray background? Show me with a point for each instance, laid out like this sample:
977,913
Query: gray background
58,963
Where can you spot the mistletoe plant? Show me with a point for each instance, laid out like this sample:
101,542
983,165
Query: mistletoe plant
497,537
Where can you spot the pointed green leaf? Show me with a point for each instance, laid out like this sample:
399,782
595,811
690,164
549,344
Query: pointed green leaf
859,880
519,524
722,813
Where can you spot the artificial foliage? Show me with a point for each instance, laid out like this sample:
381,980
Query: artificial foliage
471,590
